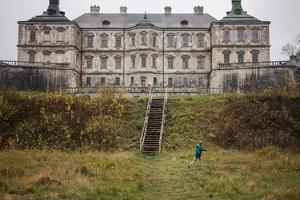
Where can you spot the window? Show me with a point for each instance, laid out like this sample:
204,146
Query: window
104,41
118,62
185,40
200,81
200,41
255,36
118,81
185,81
131,80
103,62
185,62
118,41
241,36
154,58
60,34
133,58
170,62
154,80
102,81
226,36
144,61
171,40
226,57
184,22
60,56
133,40
47,36
241,57
105,22
200,62
255,55
90,40
47,56
88,81
32,36
31,56
89,62
170,82
154,40
144,39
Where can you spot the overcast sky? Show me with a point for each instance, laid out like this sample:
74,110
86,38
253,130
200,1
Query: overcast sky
283,14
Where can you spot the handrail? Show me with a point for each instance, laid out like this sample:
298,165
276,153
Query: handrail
251,64
163,118
146,119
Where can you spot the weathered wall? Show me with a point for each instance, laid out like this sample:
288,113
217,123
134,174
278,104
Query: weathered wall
250,79
37,78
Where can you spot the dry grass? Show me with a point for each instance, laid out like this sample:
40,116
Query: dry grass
222,174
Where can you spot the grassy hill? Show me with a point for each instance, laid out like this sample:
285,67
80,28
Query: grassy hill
252,144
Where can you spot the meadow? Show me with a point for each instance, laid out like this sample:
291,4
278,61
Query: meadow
64,147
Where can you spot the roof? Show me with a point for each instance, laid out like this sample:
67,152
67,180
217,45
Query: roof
116,20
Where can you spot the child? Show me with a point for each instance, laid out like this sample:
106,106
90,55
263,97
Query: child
198,153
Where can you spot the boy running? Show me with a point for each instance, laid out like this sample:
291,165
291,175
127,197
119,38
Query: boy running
198,153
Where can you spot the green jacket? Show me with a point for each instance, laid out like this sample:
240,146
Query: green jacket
198,151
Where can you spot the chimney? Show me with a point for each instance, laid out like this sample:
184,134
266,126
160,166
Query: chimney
198,10
168,10
95,9
123,10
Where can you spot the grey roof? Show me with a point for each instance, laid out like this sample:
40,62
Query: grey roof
89,20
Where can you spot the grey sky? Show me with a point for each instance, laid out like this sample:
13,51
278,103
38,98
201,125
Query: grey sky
283,14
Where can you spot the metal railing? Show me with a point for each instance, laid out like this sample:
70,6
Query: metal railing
251,64
32,64
163,119
141,90
146,119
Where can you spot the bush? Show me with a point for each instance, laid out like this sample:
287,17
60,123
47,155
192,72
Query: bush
68,122
252,121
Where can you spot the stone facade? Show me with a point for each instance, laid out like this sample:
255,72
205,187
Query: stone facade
163,50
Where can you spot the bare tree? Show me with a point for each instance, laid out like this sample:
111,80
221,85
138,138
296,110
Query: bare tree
292,48
289,49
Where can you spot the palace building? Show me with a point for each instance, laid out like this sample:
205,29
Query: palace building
127,49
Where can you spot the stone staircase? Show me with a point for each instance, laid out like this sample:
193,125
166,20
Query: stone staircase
153,127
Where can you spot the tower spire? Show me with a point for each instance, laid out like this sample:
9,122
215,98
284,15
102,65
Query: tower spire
237,12
53,7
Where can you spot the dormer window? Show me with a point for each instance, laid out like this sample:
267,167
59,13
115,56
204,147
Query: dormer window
184,22
105,23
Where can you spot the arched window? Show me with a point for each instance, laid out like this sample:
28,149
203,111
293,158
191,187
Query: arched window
144,60
154,39
154,59
89,62
103,60
144,38
241,34
133,58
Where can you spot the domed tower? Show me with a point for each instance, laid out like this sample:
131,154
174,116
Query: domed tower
239,38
